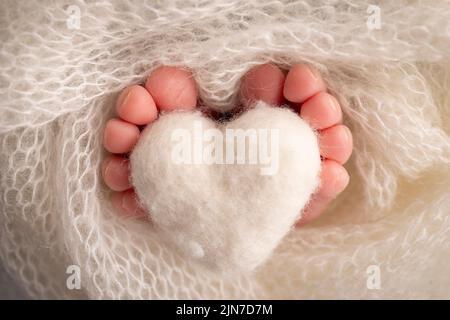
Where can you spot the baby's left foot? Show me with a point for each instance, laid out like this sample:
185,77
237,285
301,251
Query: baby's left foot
166,89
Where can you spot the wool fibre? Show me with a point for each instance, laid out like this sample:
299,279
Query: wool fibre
227,215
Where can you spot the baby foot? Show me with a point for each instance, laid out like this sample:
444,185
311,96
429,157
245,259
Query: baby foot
304,88
166,89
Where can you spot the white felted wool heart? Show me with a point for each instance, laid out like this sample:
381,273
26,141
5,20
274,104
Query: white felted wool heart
226,194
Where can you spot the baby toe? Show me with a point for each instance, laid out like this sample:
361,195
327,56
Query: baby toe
333,180
116,172
172,88
126,202
302,82
321,111
136,105
336,143
120,136
265,83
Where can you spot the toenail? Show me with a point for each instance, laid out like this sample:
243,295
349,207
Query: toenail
334,104
342,180
122,96
105,166
347,134
313,73
125,99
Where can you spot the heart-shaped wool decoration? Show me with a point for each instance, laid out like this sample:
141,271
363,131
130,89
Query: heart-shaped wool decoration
225,194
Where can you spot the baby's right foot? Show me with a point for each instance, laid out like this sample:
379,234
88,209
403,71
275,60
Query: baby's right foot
304,88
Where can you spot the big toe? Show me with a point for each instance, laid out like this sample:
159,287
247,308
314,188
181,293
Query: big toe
263,83
172,88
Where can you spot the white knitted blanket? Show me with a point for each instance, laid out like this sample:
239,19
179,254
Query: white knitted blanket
62,64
